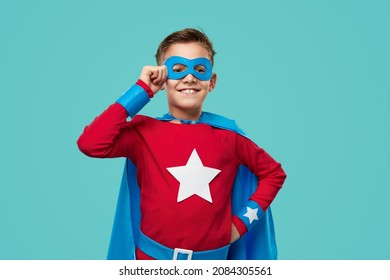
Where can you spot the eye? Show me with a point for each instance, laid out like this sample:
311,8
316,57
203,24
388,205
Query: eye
179,68
200,69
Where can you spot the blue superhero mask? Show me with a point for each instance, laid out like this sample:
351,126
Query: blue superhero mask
179,67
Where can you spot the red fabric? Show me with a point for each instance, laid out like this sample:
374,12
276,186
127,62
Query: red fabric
240,225
139,255
145,87
153,146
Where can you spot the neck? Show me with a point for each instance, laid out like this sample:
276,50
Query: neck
186,115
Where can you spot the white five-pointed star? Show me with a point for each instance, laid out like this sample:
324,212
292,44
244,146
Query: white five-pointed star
251,214
194,178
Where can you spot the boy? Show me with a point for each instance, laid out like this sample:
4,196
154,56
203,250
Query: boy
185,164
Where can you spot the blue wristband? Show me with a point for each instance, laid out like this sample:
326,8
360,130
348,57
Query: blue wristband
250,214
134,99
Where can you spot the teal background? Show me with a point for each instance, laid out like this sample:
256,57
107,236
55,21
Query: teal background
308,80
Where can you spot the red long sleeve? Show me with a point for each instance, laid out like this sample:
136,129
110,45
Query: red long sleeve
155,147
110,135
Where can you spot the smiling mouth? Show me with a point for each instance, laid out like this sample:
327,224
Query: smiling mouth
189,91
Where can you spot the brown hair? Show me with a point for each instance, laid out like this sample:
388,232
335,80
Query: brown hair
188,35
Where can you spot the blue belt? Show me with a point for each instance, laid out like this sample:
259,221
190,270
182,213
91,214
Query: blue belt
161,252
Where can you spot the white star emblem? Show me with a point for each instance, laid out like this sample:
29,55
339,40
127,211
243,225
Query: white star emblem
251,214
194,178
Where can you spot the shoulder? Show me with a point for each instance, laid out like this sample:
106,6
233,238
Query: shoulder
222,122
141,122
139,119
142,119
136,123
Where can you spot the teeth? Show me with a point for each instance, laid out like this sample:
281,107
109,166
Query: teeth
188,91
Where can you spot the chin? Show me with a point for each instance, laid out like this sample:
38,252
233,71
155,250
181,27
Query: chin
186,107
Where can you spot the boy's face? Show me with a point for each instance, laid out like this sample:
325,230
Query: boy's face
186,95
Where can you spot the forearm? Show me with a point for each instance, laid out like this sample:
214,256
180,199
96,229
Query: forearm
266,191
266,181
269,186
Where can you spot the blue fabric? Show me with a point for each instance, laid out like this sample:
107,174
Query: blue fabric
258,243
190,68
161,252
134,99
252,205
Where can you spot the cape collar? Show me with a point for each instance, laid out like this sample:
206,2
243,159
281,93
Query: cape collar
210,119
170,117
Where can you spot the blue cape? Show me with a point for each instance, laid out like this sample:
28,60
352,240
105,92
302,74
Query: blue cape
257,244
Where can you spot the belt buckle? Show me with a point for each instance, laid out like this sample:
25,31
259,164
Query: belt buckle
182,251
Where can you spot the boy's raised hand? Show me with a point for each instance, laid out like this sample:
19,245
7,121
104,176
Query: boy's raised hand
154,77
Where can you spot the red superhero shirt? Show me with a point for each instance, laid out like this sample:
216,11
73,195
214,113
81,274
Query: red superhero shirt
185,173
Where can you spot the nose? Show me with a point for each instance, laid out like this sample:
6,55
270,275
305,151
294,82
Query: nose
189,79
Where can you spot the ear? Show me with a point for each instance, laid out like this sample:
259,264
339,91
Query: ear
213,82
